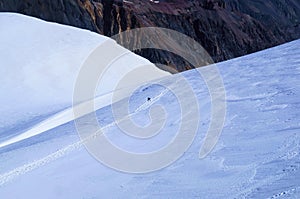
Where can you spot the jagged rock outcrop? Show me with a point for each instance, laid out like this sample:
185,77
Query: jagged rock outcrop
225,28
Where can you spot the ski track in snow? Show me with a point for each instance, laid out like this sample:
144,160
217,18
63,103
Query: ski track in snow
284,193
289,149
256,157
8,176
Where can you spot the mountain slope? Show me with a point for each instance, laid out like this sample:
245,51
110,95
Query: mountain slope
257,155
39,65
225,28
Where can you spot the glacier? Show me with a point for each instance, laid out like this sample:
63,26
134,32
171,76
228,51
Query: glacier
257,155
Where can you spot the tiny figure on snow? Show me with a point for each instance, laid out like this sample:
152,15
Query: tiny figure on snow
149,99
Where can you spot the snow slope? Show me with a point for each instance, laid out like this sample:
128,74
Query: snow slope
39,64
257,155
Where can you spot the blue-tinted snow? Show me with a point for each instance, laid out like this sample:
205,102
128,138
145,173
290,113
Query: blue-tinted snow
257,155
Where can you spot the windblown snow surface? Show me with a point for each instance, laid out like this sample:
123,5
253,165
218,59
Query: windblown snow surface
257,155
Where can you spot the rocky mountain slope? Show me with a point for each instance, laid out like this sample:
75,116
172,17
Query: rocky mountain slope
225,28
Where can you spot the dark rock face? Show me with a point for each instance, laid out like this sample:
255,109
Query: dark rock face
225,28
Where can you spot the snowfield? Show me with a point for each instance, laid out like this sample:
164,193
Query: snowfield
40,62
257,155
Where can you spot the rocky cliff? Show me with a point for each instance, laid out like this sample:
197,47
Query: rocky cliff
225,28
